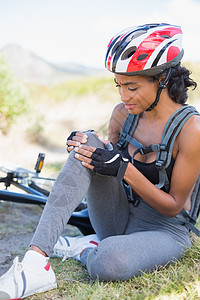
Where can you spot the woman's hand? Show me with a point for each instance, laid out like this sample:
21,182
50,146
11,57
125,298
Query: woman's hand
102,161
76,138
84,153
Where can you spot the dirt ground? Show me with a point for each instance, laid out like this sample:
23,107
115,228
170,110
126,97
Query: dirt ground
18,221
17,224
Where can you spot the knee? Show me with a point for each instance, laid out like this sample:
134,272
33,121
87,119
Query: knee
93,140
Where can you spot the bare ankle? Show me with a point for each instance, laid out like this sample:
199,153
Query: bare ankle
35,248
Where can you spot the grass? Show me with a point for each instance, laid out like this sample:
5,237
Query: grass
54,167
180,280
102,87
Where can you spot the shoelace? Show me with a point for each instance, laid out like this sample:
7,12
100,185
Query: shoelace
65,253
16,267
71,251
68,255
64,258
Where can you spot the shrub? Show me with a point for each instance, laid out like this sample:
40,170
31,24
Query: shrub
13,97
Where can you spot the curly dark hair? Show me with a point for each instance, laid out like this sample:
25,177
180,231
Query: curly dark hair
178,84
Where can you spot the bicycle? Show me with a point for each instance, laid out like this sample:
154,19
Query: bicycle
35,189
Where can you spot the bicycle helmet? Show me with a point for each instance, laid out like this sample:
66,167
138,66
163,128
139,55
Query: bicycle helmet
145,50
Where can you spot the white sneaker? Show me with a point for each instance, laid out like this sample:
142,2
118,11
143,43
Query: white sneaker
72,246
23,279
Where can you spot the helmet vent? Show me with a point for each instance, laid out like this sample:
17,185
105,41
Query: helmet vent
152,25
115,48
128,53
142,56
134,35
166,36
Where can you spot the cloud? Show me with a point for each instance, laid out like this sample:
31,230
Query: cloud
186,14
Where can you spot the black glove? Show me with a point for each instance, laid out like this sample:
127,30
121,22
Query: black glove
109,161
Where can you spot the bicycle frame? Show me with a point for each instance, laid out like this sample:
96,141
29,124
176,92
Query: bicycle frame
34,194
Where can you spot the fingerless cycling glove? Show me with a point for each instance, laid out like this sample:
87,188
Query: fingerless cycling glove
109,161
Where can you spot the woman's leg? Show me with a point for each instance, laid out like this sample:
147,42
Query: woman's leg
125,256
108,206
71,186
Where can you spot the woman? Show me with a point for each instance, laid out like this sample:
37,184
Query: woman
132,236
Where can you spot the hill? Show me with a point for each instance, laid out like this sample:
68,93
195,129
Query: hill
29,67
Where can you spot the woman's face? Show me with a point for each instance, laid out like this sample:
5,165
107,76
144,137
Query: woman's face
137,92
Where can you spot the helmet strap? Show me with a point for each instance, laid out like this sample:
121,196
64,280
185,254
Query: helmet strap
162,85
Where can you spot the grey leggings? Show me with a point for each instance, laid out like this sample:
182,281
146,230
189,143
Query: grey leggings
133,239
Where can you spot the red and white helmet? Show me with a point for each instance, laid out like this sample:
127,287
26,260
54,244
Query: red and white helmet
145,50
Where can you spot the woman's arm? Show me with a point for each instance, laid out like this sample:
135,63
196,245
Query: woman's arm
185,173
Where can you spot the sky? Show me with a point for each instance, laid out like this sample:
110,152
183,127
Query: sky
79,31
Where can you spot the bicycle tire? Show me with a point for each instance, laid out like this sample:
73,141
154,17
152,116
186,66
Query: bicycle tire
9,196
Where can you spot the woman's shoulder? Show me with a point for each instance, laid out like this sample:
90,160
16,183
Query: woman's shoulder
118,117
120,111
189,136
192,126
